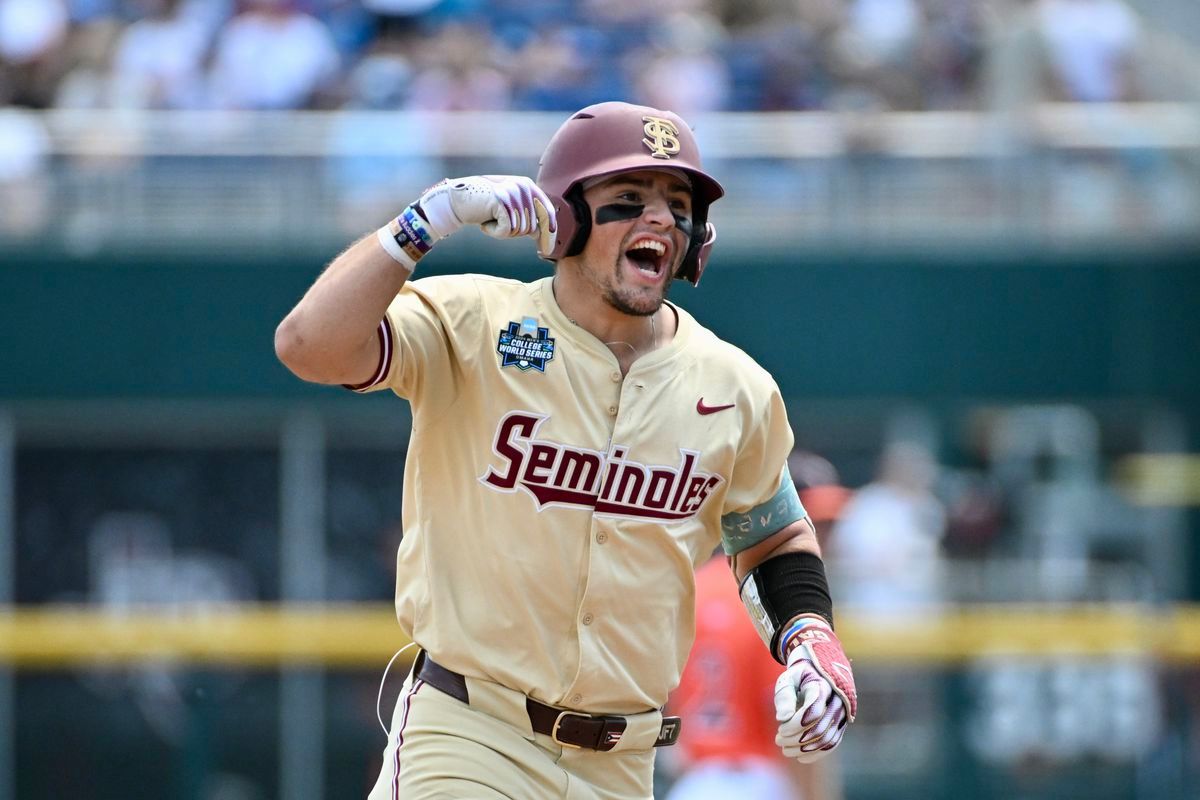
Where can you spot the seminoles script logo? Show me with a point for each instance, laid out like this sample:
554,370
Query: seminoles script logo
571,476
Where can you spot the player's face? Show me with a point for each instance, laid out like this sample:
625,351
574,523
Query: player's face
641,227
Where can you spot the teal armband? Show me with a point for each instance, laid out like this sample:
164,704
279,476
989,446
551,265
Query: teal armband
741,530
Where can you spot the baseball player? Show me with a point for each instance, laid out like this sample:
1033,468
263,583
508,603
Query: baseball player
579,447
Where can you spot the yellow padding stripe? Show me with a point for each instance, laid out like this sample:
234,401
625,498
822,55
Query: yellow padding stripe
340,636
960,635
367,635
1161,479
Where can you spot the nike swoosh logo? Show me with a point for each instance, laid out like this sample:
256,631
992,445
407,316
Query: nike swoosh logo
842,668
703,409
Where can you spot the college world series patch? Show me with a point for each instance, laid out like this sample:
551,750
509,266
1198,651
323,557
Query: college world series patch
525,346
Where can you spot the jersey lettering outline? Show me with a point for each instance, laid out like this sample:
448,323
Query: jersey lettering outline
555,474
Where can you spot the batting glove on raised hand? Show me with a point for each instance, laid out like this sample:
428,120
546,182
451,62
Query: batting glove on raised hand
814,697
503,206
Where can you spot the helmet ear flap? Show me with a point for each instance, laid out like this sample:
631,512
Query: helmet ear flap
583,219
699,246
687,267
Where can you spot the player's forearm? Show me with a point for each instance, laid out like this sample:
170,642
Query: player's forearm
799,537
330,336
782,582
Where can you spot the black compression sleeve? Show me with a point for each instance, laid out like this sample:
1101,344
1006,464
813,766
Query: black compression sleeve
788,585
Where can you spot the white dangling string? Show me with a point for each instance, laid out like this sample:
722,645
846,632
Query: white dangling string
379,697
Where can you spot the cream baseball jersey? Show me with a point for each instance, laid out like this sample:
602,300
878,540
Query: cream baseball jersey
555,510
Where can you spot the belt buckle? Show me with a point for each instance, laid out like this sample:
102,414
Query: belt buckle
558,723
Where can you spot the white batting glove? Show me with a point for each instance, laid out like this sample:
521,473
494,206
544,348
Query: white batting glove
815,696
503,206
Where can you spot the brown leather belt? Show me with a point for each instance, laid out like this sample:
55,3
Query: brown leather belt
568,728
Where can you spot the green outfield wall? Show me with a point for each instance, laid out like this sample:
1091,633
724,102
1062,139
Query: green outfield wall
1004,326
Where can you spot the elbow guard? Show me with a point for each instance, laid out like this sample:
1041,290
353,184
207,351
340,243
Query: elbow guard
782,588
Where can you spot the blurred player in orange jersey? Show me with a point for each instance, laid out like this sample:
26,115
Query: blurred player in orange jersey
727,748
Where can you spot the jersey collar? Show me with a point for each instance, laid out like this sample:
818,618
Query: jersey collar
543,297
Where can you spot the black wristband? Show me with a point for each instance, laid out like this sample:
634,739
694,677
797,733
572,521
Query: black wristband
783,587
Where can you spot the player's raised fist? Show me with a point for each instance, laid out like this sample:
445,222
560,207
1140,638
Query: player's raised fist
503,206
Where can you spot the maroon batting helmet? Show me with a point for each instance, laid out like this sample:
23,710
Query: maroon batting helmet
608,138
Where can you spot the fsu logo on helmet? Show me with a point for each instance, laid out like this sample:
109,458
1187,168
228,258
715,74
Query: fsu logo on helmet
662,137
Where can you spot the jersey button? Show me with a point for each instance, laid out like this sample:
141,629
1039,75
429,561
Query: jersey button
587,619
601,537
612,410
576,699
616,377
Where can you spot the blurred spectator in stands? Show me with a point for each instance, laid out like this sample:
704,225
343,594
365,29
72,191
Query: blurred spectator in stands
738,15
951,54
887,544
380,80
87,62
790,59
24,184
683,71
273,56
159,59
399,8
530,14
874,55
638,12
820,488
779,63
352,27
883,32
1090,45
727,748
977,505
564,66
458,69
32,33
691,55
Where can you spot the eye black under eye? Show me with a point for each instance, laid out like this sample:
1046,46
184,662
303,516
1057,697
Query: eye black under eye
683,223
616,212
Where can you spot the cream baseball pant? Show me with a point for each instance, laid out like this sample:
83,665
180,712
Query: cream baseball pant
440,748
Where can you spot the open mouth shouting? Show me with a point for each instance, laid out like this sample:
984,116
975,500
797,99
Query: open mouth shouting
650,258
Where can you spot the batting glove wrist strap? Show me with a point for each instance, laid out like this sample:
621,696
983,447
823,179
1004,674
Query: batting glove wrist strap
407,238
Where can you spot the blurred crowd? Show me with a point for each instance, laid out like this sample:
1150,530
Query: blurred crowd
688,55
